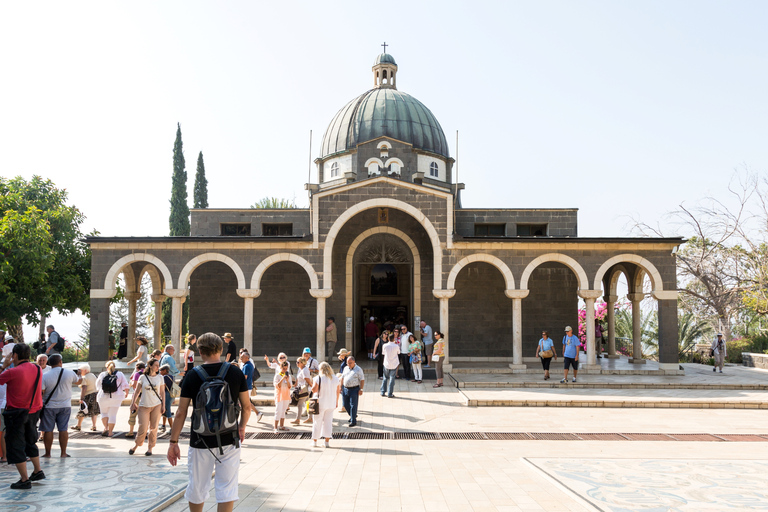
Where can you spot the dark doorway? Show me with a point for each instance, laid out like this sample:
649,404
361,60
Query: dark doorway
385,314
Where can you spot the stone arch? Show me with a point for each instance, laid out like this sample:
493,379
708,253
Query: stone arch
382,203
283,256
110,281
509,279
647,266
154,276
569,262
210,256
614,280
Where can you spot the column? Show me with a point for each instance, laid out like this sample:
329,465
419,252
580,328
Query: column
321,295
248,296
158,326
99,327
589,297
637,333
178,296
133,298
445,296
668,331
611,312
517,297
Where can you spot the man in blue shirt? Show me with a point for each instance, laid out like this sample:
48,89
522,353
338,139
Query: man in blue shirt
571,346
169,360
247,366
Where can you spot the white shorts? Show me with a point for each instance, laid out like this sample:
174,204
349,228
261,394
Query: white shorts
201,464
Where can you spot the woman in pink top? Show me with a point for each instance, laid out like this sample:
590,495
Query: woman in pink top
283,385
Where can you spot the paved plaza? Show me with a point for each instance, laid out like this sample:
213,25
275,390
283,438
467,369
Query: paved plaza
427,450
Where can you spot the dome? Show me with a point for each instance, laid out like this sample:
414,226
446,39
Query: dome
385,58
384,112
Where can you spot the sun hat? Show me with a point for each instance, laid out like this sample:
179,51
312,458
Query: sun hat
227,335
307,350
342,352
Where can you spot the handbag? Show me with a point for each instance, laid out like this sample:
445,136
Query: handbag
313,404
175,390
546,353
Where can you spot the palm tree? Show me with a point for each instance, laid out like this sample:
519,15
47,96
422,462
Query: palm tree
689,331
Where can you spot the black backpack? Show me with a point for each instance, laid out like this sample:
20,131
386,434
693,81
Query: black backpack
59,346
215,413
109,383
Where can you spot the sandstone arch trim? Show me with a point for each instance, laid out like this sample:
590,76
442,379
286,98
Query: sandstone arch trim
277,258
195,262
656,281
509,279
110,282
569,262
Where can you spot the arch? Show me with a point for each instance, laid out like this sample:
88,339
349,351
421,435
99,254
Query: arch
614,280
111,280
374,160
330,238
154,276
569,262
509,279
643,263
210,256
276,258
384,144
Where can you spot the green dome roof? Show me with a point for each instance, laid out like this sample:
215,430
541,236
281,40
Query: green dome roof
384,112
385,58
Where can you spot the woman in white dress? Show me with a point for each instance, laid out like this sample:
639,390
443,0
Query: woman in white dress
326,388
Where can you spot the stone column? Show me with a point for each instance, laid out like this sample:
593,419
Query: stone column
589,297
611,312
99,314
133,298
321,295
158,327
445,296
178,296
517,297
668,331
248,295
637,334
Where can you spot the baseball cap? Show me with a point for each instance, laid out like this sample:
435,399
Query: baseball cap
568,328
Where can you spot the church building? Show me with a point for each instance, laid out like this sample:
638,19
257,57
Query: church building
385,235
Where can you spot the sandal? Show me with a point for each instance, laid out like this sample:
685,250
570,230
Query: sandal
131,451
93,429
130,435
284,429
148,454
75,427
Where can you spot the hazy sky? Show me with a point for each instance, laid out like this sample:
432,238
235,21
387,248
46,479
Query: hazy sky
619,109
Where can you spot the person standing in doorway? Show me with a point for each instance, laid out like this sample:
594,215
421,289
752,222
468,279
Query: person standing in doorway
571,345
391,351
330,337
371,333
122,350
427,340
720,351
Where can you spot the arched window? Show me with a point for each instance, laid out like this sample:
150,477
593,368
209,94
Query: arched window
394,168
433,170
335,170
373,169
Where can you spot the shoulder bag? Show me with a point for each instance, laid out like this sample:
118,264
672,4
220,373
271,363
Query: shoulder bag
53,390
545,354
313,405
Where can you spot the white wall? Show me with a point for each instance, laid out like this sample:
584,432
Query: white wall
423,162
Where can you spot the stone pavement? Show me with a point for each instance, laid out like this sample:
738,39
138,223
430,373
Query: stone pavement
532,473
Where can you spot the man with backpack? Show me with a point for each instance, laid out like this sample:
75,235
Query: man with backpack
221,407
55,342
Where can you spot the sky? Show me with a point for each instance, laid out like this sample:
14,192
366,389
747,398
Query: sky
621,109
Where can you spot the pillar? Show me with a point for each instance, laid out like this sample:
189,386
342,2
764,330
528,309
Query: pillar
248,296
133,298
178,296
321,295
157,328
99,327
668,330
611,312
445,296
637,332
589,297
517,297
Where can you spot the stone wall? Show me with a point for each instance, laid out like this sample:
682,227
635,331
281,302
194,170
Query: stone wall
560,222
755,360
207,222
214,306
551,305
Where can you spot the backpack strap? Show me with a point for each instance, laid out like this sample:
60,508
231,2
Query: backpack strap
223,370
54,387
201,372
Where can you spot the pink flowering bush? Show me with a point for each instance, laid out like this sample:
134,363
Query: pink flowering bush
601,314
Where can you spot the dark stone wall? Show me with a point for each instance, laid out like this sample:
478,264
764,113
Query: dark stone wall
668,332
480,314
560,222
285,313
207,222
214,305
99,315
551,305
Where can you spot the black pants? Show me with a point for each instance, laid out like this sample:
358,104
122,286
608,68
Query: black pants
380,365
545,362
21,436
405,363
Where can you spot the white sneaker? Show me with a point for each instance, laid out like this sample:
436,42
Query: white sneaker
327,444
258,417
313,444
574,379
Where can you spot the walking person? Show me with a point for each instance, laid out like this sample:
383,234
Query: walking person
312,363
247,367
112,388
546,351
325,388
208,455
415,357
168,359
57,404
189,354
720,351
571,345
134,383
391,351
230,350
142,352
122,350
110,345
149,402
282,382
55,343
427,340
302,391
438,357
24,399
89,405
377,353
165,372
352,384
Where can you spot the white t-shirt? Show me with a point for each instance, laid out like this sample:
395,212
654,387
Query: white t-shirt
122,385
148,397
327,391
46,369
391,350
62,396
2,397
143,353
303,378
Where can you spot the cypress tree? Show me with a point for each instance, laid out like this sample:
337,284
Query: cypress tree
201,184
179,219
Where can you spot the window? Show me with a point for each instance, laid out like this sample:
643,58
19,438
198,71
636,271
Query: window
276,229
335,170
490,229
235,230
373,169
531,230
433,170
394,168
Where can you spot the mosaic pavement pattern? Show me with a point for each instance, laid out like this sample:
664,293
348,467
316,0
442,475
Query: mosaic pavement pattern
95,485
629,485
